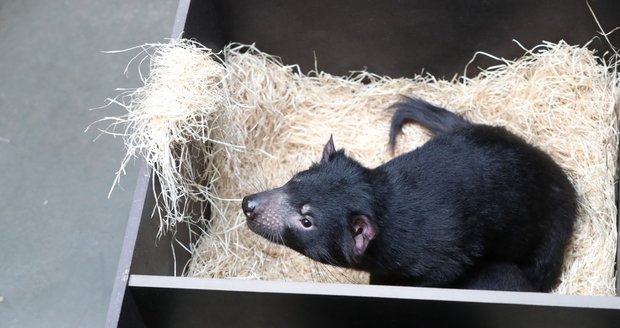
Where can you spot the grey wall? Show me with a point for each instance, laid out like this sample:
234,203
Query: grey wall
60,236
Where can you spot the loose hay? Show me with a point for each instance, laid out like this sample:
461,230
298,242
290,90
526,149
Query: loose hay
171,122
262,122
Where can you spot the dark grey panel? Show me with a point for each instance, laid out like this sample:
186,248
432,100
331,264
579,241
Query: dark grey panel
172,307
399,38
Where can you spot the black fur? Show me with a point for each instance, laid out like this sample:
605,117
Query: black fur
474,207
431,117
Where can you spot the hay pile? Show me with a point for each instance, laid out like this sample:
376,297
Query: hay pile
259,123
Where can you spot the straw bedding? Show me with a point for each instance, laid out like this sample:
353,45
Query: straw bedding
218,130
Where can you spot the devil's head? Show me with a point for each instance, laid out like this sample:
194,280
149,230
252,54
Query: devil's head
325,212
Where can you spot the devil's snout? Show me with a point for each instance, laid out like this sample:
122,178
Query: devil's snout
266,213
266,205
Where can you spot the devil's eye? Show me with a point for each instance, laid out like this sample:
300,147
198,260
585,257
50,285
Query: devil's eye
306,223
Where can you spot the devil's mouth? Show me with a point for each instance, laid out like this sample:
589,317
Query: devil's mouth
265,232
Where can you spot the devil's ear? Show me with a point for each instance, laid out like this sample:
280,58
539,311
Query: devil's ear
328,149
364,230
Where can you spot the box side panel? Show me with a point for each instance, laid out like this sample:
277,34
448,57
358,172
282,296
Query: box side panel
129,242
164,254
402,38
130,316
203,24
169,307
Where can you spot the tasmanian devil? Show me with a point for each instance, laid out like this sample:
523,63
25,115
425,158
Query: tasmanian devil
474,207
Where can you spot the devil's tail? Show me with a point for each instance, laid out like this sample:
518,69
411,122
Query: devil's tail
438,120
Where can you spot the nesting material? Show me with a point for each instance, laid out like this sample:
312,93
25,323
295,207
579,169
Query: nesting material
170,122
262,122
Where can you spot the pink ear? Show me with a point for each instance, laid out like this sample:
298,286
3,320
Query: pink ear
363,232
